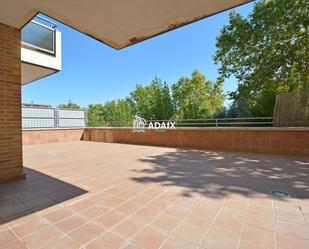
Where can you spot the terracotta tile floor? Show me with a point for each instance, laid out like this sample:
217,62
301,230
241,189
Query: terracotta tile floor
97,195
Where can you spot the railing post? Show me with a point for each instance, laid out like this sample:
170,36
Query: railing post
56,118
216,122
85,118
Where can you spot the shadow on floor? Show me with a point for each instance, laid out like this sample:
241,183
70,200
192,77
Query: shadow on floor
218,174
38,191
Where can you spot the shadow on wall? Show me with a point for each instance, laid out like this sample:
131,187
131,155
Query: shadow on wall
38,191
219,174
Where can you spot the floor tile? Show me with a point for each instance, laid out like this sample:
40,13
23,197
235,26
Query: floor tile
190,232
108,240
110,219
58,215
86,233
43,238
292,230
30,227
259,236
174,243
6,237
150,238
128,208
63,243
71,223
291,215
261,221
80,205
145,215
199,199
221,239
128,228
112,202
165,223
94,211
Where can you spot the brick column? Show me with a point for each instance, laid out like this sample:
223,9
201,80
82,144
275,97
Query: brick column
10,105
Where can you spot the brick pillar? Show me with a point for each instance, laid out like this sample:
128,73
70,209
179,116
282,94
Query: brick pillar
10,105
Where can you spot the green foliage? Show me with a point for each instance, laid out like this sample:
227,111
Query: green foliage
264,103
239,109
112,113
152,102
196,97
69,105
95,115
222,113
267,52
193,97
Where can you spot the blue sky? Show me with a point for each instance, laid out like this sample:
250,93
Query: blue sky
93,73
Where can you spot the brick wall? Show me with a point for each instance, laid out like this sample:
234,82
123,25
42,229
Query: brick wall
37,136
281,141
10,105
284,141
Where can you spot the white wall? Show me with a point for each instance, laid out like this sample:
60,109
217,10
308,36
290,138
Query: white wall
43,59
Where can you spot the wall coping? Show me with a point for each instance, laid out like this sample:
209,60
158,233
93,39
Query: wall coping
215,128
53,129
181,128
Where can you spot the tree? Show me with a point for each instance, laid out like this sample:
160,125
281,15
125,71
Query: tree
196,97
126,114
267,51
152,102
193,97
111,113
264,104
95,115
69,105
239,109
117,113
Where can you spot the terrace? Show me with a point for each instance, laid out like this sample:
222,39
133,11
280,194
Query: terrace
82,194
110,188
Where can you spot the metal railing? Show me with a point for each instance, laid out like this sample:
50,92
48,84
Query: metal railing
227,122
39,36
212,122
222,122
47,117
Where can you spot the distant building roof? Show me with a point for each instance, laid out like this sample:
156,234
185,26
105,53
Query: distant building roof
35,105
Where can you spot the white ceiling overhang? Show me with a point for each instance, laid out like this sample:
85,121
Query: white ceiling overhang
118,23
